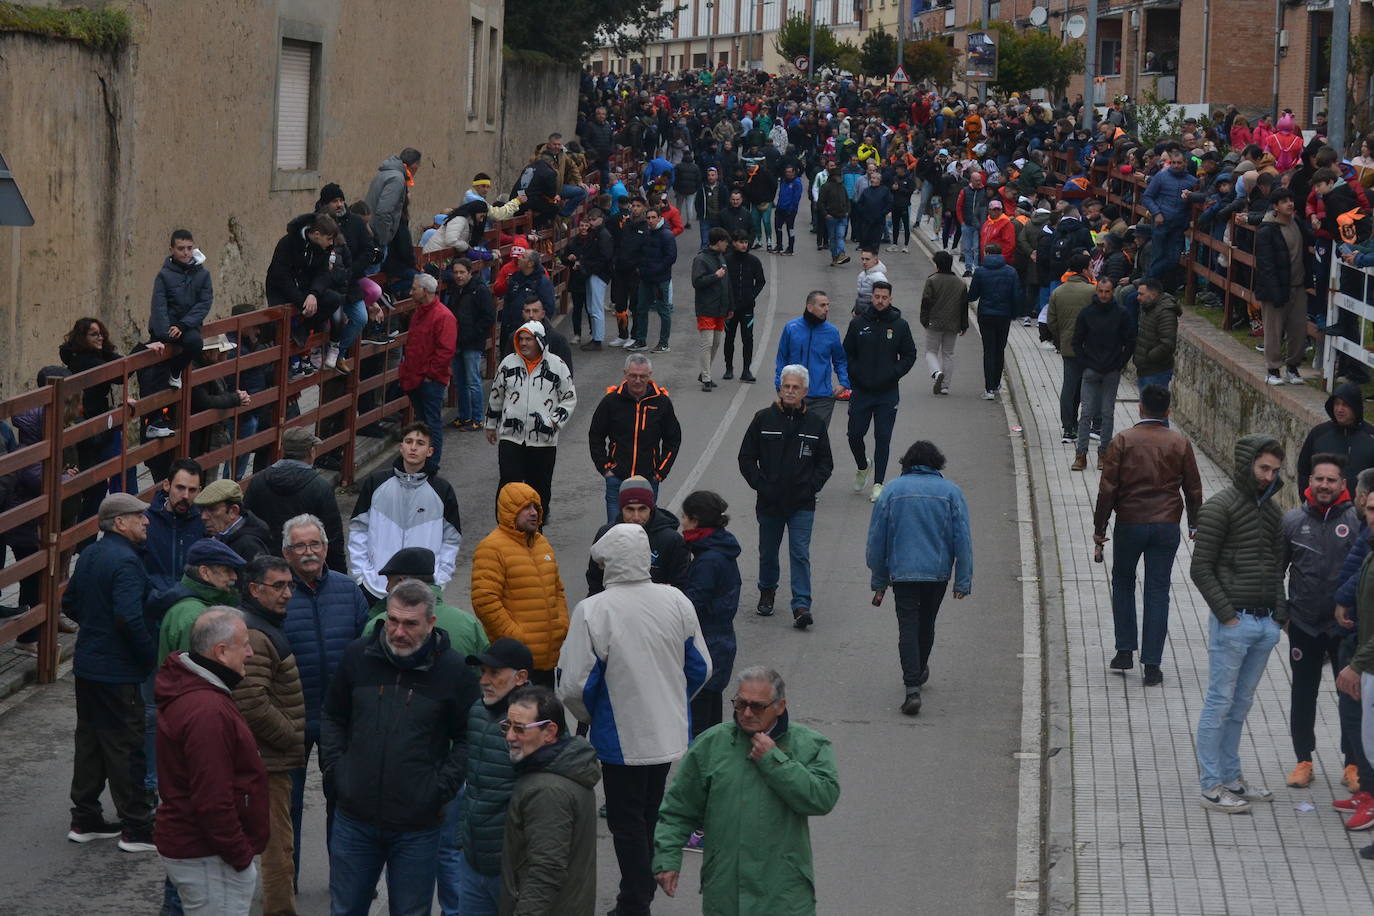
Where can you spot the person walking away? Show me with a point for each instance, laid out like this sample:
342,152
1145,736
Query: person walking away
292,487
810,340
213,816
746,281
1067,300
880,350
944,315
785,459
1236,568
516,589
1156,336
548,851
713,587
271,700
711,283
1316,538
393,750
918,533
1149,477
1104,341
1285,245
754,783
997,290
633,659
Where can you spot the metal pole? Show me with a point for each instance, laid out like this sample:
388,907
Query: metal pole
1090,69
811,55
1278,33
1340,55
901,30
987,15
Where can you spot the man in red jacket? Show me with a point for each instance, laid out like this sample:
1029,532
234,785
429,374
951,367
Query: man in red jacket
428,360
213,816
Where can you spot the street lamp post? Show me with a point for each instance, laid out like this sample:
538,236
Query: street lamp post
811,56
711,35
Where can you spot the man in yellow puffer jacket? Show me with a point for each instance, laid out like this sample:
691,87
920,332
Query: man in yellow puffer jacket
516,589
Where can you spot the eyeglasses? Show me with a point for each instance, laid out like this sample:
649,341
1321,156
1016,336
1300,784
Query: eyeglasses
506,725
309,546
754,706
276,586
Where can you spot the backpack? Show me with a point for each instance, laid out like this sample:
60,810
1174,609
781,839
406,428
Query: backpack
1062,246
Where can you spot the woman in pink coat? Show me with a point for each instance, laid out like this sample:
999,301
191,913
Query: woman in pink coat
1285,145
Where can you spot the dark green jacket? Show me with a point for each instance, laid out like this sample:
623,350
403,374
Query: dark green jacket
1363,660
490,780
548,862
1157,336
180,617
1238,557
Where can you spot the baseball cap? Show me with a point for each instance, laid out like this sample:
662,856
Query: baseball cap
221,491
505,653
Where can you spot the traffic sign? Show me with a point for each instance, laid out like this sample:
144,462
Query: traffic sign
899,75
801,62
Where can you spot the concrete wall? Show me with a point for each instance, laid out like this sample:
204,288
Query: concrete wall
538,100
179,130
1220,395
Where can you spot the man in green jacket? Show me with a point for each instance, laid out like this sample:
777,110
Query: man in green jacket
465,634
1068,299
211,578
751,784
1238,569
1157,335
548,856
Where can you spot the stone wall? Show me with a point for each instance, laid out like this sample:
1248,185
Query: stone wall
112,152
1220,395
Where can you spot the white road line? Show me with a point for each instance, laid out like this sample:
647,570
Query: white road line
761,335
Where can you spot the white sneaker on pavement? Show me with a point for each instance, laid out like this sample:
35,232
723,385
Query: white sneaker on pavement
1249,791
1218,798
989,395
875,493
860,480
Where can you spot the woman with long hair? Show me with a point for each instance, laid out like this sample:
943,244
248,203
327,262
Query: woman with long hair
88,346
713,585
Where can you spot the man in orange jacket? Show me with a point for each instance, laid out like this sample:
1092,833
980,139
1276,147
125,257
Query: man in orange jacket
998,228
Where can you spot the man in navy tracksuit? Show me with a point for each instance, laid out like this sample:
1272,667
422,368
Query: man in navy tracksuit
813,342
880,350
659,253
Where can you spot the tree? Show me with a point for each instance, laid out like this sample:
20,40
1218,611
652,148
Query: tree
794,40
1034,59
878,56
931,61
584,25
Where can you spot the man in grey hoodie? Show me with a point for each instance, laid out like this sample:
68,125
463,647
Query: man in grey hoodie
389,195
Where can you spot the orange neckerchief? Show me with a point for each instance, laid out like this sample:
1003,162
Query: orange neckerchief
410,176
1067,275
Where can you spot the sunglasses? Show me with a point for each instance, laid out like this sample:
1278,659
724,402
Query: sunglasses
506,725
754,706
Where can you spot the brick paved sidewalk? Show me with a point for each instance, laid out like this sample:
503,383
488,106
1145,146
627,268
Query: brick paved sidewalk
1142,843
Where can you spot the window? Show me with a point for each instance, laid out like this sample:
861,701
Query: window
297,105
474,48
493,67
1109,61
698,61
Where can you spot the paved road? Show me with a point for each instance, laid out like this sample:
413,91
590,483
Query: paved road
926,803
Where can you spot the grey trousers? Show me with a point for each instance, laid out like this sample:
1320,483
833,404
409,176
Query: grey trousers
1099,400
821,407
211,886
1286,319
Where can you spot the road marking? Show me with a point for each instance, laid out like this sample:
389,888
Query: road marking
690,481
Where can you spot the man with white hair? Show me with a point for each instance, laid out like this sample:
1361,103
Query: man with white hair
393,750
785,458
427,364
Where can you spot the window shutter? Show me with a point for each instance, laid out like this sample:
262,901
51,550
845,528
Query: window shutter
474,46
293,105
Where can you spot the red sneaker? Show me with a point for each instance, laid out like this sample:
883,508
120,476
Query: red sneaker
1354,803
1362,819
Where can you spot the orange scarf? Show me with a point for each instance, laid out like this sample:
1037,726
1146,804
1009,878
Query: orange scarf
410,176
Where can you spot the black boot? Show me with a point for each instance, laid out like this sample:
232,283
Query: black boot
746,376
729,372
765,608
912,704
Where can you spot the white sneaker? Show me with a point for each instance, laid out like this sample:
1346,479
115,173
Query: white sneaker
1047,345
1219,798
892,248
875,493
620,342
331,357
1273,379
860,480
1293,378
577,339
1250,792
906,250
1026,322
175,381
989,395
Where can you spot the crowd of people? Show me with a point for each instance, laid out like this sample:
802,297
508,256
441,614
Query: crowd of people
226,631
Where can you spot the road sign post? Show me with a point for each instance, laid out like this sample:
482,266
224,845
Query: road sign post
899,75
802,63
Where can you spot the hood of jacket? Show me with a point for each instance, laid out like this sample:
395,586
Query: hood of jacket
994,261
299,224
1039,220
662,520
392,164
1165,303
534,327
1242,473
510,501
288,475
176,266
1353,397
623,552
251,525
180,677
572,758
721,540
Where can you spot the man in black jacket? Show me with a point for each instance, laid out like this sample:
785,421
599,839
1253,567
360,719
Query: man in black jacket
1283,281
595,262
746,282
634,432
1347,434
669,557
470,301
393,748
785,459
182,298
881,350
363,252
736,217
629,253
309,270
292,487
1103,342
221,508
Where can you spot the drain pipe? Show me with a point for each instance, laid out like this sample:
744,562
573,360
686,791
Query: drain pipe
1278,34
1206,48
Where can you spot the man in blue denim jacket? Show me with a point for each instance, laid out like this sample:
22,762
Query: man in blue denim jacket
918,533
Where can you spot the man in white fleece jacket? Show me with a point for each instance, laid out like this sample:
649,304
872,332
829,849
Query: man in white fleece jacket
633,658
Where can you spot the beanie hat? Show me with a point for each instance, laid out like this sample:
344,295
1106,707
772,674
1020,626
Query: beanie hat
328,194
636,490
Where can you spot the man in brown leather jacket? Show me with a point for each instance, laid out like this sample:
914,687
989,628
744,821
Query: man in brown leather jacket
1149,475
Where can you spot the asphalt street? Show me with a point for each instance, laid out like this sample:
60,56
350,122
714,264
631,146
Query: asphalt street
926,822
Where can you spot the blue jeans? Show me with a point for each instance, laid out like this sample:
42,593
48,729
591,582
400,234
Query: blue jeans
298,805
449,878
836,230
355,317
613,498
358,851
1167,248
481,894
572,195
968,246
596,307
798,526
1236,658
1097,399
927,191
428,403
658,297
1158,541
149,733
1161,379
248,425
468,369
705,225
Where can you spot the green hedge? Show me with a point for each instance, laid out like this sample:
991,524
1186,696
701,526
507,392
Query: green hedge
103,29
